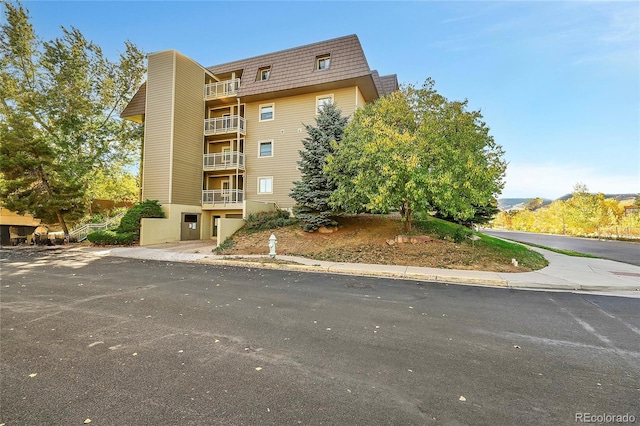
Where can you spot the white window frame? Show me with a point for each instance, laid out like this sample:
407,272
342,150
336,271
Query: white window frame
327,96
261,73
270,141
320,59
226,123
273,111
266,179
226,154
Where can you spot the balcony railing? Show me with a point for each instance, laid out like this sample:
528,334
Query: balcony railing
222,196
223,161
221,89
220,125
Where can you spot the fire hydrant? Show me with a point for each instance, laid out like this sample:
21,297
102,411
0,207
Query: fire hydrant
273,241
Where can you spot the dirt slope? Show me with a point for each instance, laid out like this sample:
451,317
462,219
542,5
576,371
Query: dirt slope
364,239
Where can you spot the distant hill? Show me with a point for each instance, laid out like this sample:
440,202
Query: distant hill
521,203
518,203
617,197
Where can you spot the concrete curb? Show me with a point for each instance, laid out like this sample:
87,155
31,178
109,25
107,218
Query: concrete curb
461,277
503,283
358,272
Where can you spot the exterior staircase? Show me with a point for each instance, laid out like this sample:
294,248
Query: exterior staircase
80,234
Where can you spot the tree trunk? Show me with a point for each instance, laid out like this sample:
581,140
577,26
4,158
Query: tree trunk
64,226
44,180
405,213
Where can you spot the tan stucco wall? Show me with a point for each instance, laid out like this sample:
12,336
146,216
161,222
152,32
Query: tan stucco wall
207,221
167,230
228,227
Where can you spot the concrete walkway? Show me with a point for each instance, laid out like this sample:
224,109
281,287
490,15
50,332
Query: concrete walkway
564,273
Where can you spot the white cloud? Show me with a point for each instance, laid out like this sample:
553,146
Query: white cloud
555,180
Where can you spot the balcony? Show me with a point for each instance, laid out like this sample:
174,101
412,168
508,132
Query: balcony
222,89
223,161
222,125
222,198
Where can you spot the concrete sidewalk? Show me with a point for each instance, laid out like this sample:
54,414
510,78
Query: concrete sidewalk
563,273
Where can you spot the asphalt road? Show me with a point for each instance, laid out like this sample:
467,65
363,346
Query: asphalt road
131,342
621,251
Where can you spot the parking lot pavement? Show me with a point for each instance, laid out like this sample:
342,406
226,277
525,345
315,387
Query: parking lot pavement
131,341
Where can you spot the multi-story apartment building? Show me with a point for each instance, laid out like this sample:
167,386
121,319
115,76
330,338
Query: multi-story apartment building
224,141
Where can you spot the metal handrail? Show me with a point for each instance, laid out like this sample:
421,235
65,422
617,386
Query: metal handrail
80,234
228,124
223,160
222,89
222,196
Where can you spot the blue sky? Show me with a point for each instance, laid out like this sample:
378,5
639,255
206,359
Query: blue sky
557,82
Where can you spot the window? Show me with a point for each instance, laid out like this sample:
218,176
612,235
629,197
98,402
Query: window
265,185
265,148
323,100
226,155
226,121
224,186
323,62
190,218
266,112
263,74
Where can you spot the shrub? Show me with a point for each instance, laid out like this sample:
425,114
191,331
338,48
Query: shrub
443,229
227,244
461,234
269,220
130,222
97,218
110,237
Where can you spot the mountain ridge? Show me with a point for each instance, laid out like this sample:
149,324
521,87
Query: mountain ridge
515,203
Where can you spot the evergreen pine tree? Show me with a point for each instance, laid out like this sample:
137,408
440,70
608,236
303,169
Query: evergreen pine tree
312,192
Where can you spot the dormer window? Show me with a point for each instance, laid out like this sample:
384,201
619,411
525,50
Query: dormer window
323,62
263,74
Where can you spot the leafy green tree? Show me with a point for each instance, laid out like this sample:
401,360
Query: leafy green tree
502,220
584,210
482,214
524,220
32,179
313,191
59,106
117,186
552,218
416,151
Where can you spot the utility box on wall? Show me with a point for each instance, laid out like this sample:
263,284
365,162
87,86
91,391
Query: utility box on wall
190,227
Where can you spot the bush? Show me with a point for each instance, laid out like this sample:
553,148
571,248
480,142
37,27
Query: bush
97,218
443,229
130,222
461,234
110,237
269,220
227,244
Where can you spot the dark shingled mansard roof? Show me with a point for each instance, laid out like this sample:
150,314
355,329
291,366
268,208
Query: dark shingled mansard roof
296,68
294,71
